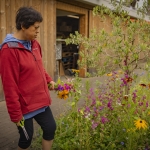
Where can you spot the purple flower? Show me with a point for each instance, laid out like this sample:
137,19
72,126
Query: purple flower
101,107
67,87
94,125
125,62
93,102
140,103
87,109
104,120
124,82
134,95
60,88
109,105
91,91
144,97
95,109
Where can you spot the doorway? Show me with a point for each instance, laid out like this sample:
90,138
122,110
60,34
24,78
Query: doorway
67,55
83,28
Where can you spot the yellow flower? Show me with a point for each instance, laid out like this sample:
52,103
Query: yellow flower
105,44
140,124
149,113
76,71
60,94
63,94
117,76
109,74
81,111
66,92
65,97
120,71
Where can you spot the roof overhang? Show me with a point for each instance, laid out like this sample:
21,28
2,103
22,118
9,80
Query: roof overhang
132,12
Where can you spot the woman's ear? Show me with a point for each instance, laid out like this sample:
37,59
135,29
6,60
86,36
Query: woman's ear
23,28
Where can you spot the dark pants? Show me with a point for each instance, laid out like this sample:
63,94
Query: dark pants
47,123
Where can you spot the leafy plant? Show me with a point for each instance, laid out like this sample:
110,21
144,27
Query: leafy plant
115,112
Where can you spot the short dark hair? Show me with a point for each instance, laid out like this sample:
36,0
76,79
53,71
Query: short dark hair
27,16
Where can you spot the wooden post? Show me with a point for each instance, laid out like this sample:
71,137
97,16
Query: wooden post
83,30
51,37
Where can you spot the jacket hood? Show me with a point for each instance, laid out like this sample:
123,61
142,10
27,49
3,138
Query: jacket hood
9,38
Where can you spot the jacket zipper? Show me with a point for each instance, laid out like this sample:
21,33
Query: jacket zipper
33,56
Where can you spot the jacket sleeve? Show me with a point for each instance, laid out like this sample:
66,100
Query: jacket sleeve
9,67
48,78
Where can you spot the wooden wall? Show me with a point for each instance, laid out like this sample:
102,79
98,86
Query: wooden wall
99,23
95,22
47,35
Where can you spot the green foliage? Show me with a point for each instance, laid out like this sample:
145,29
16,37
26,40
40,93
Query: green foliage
125,46
106,119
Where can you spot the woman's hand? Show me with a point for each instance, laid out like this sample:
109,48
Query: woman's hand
18,123
52,83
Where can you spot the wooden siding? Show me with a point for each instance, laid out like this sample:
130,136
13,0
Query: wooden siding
95,22
46,36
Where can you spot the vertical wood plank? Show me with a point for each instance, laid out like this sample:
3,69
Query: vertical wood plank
2,34
27,3
41,10
30,3
83,30
18,3
13,14
8,18
3,19
44,31
51,37
36,5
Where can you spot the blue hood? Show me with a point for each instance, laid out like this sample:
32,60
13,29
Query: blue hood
9,38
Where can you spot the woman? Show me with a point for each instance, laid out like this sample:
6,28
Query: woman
25,80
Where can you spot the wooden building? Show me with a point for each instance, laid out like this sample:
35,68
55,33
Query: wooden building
60,18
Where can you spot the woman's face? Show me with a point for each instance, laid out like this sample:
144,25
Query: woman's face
31,32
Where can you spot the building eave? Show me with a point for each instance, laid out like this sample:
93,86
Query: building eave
131,12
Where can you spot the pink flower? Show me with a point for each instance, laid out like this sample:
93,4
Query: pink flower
104,120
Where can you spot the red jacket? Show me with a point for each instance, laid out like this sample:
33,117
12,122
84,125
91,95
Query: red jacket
24,79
